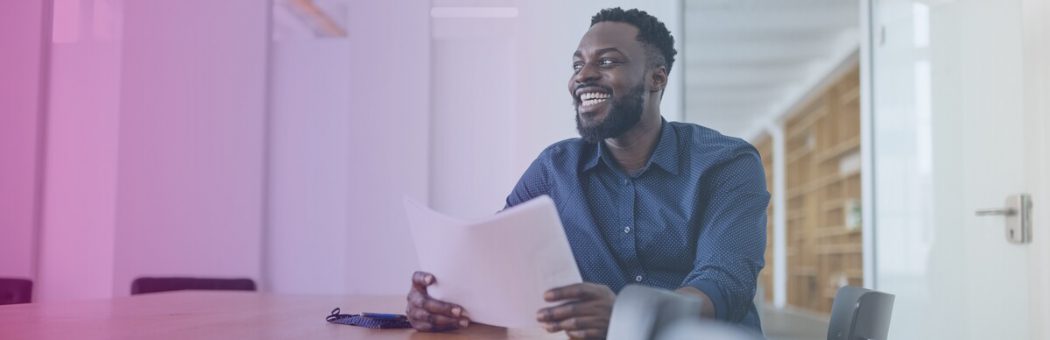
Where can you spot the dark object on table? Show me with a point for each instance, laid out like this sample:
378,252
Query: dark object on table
145,285
369,320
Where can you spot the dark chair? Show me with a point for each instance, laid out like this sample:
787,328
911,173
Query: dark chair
144,285
15,291
859,313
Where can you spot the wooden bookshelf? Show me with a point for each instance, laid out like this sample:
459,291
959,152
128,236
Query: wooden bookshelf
822,156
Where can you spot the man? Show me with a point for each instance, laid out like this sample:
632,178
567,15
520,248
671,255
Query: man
644,201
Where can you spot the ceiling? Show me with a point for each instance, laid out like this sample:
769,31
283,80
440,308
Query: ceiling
747,62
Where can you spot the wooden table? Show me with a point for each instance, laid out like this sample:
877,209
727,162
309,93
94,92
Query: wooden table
219,315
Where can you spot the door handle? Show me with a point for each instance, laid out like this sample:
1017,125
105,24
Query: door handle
993,212
1018,215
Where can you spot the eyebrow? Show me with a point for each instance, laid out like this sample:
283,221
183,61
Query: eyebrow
600,52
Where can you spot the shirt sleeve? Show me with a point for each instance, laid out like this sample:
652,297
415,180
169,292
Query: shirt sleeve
732,240
533,183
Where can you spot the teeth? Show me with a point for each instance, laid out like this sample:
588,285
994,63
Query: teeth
593,95
589,102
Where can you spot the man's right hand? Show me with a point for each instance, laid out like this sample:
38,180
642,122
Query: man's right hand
428,314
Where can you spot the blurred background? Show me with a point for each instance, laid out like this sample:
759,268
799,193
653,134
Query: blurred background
274,140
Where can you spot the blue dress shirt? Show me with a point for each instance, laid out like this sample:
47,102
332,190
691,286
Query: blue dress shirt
695,215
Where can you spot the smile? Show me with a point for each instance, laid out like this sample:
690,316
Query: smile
593,98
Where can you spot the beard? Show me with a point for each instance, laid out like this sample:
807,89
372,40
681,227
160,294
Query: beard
623,114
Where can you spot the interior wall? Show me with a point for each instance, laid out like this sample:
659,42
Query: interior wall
77,232
191,142
22,28
309,166
388,134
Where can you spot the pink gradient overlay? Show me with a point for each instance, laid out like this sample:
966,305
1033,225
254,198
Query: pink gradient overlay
244,138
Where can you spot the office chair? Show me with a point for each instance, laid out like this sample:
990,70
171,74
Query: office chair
15,291
643,313
859,313
692,329
145,285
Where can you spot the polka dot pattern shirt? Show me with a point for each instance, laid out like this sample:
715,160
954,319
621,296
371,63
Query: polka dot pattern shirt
695,215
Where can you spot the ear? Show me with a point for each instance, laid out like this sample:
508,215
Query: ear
658,79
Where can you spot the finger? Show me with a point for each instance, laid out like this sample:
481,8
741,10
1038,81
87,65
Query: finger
442,322
420,280
436,306
582,323
418,314
434,322
421,325
416,298
590,333
578,291
565,311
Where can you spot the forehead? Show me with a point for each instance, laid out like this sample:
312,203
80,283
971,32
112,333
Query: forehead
604,35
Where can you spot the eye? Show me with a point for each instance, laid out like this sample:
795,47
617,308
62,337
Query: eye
577,65
607,61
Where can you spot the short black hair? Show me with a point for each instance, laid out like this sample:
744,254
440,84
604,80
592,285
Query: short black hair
659,44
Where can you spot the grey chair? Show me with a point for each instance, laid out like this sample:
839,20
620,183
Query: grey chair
145,285
692,329
643,313
859,313
15,291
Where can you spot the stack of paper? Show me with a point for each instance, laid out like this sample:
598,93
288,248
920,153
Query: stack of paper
497,268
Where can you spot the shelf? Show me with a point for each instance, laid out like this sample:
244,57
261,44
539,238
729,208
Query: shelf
835,231
821,190
819,183
838,249
838,150
797,155
807,122
850,95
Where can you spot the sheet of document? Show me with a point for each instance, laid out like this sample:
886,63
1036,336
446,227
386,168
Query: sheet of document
497,268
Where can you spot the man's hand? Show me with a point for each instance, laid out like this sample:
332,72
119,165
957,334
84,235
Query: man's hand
428,314
585,314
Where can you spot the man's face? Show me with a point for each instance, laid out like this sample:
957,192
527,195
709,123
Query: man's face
608,83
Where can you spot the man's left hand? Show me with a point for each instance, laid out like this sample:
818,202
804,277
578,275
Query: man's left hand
585,314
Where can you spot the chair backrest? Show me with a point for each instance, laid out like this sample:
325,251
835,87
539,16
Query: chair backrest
15,291
859,313
691,329
645,313
640,311
145,285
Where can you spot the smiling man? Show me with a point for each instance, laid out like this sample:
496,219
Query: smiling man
643,201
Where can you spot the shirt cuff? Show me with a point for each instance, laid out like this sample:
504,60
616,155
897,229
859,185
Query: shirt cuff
715,294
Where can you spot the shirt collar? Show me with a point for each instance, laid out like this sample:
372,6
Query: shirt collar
665,155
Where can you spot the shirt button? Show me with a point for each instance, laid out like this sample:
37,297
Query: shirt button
626,182
638,278
626,229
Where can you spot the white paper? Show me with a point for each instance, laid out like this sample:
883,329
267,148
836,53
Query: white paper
497,268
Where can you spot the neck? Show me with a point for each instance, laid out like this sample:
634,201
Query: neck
633,148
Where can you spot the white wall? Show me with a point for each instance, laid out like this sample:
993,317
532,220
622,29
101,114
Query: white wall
310,166
155,144
192,118
22,28
389,131
77,236
349,141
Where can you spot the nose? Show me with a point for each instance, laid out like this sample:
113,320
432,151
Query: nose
588,73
